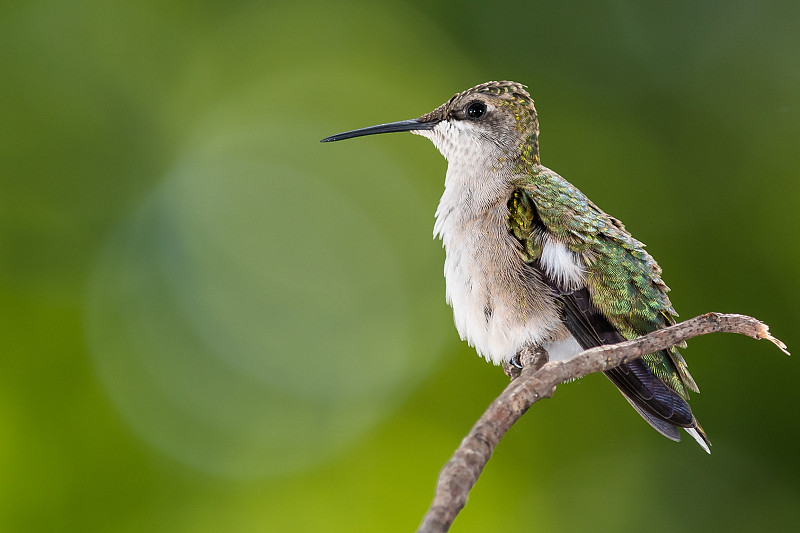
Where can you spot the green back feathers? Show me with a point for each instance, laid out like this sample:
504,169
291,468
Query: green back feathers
624,281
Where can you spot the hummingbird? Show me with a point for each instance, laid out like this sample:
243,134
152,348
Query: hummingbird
531,262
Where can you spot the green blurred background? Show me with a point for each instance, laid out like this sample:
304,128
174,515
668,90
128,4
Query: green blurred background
212,322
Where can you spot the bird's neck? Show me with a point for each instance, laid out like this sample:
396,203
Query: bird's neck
473,194
474,187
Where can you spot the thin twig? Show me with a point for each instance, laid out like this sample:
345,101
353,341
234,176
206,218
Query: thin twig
537,381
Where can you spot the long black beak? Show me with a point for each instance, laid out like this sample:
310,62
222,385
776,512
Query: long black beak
403,125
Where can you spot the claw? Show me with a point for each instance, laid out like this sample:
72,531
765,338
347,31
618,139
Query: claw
515,361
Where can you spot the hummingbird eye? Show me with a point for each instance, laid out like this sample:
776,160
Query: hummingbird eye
476,110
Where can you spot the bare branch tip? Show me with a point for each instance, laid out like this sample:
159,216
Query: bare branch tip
763,333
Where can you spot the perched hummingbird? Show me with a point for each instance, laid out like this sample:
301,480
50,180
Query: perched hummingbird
532,262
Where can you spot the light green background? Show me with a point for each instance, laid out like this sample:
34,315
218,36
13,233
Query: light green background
212,322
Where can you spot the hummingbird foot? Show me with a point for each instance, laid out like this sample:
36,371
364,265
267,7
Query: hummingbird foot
530,357
513,367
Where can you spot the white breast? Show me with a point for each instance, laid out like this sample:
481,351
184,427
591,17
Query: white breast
498,306
494,308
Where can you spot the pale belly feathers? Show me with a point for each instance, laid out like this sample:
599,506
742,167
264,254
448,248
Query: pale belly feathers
499,304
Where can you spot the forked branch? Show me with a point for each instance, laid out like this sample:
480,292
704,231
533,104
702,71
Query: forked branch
537,381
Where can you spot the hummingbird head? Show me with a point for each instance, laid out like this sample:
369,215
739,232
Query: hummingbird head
497,118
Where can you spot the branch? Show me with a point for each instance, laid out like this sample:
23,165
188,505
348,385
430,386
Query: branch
538,380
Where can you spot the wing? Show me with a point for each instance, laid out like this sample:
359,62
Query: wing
619,296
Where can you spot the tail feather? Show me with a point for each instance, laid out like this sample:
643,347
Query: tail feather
700,436
667,429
